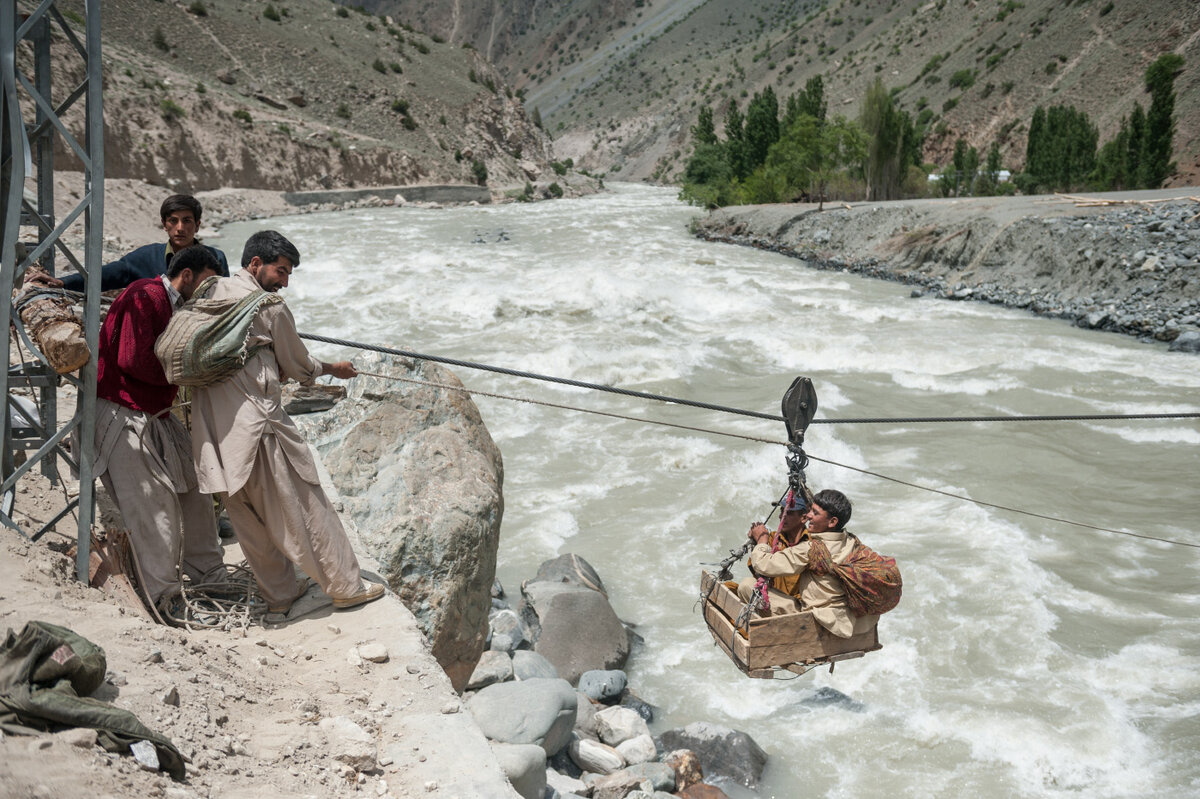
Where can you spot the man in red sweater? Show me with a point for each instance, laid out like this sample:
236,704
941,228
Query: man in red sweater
143,453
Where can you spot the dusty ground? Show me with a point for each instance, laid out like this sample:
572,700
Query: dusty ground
250,701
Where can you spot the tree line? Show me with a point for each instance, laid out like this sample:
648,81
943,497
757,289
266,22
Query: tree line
799,153
802,154
1061,153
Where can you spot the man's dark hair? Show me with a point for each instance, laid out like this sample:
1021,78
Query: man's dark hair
180,202
835,504
197,258
270,246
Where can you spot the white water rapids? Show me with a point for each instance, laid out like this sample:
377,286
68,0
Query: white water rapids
1027,658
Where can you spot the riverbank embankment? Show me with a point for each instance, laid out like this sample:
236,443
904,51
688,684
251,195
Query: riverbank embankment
1123,262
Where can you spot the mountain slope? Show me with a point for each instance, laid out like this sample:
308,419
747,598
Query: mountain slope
620,84
305,95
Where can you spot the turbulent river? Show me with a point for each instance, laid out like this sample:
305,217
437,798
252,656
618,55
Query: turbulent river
1028,658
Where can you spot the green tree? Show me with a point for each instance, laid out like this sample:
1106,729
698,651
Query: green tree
883,127
707,177
1135,146
704,132
960,166
1061,150
762,127
1160,120
735,139
810,102
811,151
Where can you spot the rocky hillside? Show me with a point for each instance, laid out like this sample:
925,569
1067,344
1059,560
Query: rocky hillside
619,84
297,95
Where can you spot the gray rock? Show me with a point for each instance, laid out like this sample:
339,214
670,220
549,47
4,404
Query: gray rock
422,478
1187,341
637,704
525,767
528,665
493,667
615,725
566,785
639,749
659,775
569,569
507,631
602,684
579,629
594,756
538,711
724,752
585,716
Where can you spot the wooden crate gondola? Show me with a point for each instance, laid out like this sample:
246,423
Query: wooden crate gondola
791,641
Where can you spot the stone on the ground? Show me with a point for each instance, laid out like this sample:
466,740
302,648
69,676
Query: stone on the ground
659,775
525,767
566,785
639,749
579,629
619,785
538,711
376,653
507,632
527,665
585,716
570,569
615,725
493,667
602,685
348,743
1187,341
421,476
724,752
594,756
686,766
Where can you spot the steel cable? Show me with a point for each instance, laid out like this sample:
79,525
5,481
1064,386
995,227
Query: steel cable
761,440
727,409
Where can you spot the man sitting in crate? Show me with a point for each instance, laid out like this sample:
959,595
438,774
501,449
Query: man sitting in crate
812,564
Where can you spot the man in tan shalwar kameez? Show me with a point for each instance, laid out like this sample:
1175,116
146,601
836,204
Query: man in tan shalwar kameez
246,446
824,594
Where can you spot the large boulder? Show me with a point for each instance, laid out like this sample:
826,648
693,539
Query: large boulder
537,711
578,629
570,569
525,767
724,752
421,476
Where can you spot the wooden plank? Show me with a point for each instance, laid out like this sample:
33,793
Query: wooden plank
722,630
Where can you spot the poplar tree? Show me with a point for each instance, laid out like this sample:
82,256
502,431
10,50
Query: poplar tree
735,140
884,131
1160,120
704,131
762,127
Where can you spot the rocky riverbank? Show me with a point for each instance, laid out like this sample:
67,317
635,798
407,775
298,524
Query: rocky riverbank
1130,265
552,696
